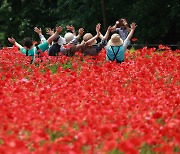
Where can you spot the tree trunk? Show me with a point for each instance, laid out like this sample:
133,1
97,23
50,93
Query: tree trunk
103,3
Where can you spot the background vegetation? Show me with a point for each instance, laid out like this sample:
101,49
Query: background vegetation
158,21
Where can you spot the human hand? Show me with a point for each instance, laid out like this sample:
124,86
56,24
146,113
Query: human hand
133,25
38,30
117,23
58,29
12,40
49,31
98,27
110,28
71,28
81,31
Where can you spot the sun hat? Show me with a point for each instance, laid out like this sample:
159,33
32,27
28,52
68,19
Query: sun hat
115,40
69,37
87,37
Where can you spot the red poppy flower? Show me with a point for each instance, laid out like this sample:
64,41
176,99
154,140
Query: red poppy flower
134,39
35,42
87,105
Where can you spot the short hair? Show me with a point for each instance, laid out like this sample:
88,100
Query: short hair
120,22
69,37
28,42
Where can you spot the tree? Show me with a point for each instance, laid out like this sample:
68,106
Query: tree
103,2
158,21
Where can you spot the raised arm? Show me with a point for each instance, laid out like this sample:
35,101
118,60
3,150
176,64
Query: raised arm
80,33
39,31
90,41
101,36
127,40
133,27
99,27
72,29
115,26
106,36
52,37
13,41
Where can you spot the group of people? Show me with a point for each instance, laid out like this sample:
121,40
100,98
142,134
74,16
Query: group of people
69,44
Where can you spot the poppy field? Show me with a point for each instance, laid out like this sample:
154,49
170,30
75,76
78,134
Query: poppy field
78,105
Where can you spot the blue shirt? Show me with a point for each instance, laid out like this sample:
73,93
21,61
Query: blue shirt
116,52
123,33
43,47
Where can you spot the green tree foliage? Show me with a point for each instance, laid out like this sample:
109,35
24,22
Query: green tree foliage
5,10
155,20
158,21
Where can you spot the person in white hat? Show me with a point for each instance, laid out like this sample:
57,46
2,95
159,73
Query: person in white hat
68,37
66,49
59,43
116,47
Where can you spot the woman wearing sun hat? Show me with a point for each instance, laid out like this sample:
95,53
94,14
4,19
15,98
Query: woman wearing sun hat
89,45
116,47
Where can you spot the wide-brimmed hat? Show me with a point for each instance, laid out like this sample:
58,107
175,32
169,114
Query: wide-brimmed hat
115,40
87,37
69,37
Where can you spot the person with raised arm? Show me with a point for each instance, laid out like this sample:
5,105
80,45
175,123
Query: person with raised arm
116,47
29,49
89,45
41,36
122,28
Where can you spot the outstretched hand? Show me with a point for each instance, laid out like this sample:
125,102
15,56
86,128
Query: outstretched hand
110,28
133,25
81,31
52,37
12,40
71,28
98,27
58,29
117,23
38,30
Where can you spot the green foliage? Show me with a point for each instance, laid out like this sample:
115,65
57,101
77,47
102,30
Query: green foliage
54,135
177,149
1,141
53,68
67,65
158,21
115,151
146,149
